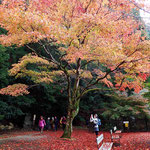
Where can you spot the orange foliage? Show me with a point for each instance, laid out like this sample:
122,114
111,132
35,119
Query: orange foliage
98,30
15,90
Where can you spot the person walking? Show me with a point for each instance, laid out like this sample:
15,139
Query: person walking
52,123
48,126
63,122
55,123
41,124
95,121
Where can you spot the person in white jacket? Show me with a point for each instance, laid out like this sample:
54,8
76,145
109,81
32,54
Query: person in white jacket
95,122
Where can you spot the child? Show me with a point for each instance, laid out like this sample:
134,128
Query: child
41,124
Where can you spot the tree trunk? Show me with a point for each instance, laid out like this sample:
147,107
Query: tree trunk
73,110
74,101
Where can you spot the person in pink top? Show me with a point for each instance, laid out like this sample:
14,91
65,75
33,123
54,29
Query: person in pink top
41,124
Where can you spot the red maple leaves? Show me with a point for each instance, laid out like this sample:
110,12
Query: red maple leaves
81,140
143,76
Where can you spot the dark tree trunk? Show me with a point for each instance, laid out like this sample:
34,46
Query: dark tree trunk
73,110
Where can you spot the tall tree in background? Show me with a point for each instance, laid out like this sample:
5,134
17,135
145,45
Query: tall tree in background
85,31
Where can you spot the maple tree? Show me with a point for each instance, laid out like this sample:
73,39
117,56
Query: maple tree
85,31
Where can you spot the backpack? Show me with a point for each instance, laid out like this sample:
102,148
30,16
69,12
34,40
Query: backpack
99,122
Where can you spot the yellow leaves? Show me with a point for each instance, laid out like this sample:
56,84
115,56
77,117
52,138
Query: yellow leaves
86,74
28,59
75,43
144,47
105,2
43,76
20,70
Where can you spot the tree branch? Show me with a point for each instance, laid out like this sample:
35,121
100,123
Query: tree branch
49,54
107,73
87,63
29,87
137,59
94,89
88,5
136,5
76,85
69,84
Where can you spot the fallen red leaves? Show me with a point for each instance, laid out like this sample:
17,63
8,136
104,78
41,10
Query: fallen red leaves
81,140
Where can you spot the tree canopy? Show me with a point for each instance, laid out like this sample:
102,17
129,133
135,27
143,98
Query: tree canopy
85,31
90,30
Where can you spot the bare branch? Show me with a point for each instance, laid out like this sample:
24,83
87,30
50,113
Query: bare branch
94,89
88,5
136,5
98,8
31,86
137,59
87,63
107,73
23,29
49,54
31,48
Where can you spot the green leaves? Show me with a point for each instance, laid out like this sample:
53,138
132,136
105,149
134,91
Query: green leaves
3,66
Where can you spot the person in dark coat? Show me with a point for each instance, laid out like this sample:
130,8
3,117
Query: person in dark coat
52,123
55,123
48,126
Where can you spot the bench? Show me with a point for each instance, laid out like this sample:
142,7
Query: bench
115,136
117,131
103,145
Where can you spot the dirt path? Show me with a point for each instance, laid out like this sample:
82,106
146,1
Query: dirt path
29,137
24,141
